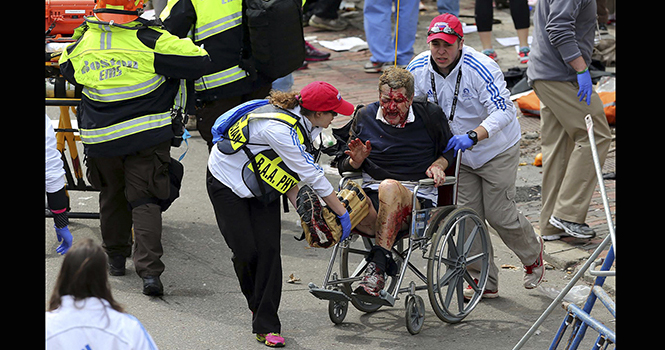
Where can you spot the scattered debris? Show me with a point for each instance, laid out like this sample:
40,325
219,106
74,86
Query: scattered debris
538,161
293,279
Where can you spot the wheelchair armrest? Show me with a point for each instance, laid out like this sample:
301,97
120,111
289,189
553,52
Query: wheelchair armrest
348,175
430,182
352,174
426,182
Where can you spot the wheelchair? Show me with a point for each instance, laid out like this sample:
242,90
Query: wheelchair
444,236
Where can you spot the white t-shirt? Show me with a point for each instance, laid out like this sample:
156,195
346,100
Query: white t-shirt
91,323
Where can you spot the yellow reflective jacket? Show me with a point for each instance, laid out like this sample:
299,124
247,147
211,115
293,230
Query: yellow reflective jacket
131,76
216,26
264,174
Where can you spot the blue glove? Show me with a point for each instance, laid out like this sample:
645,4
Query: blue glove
345,221
65,237
459,142
584,81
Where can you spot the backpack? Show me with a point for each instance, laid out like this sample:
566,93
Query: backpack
356,203
224,121
275,34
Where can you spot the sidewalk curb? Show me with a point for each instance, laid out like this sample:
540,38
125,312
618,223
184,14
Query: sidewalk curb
564,257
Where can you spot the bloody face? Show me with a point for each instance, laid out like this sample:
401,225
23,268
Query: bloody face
394,104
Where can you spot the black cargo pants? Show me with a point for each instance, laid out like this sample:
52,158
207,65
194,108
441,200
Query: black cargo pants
139,177
252,230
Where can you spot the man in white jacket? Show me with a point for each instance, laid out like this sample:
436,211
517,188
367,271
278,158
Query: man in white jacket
471,91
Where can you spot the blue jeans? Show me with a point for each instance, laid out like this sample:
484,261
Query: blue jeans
378,30
284,83
448,6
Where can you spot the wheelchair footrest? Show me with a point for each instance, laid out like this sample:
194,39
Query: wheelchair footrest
328,294
384,298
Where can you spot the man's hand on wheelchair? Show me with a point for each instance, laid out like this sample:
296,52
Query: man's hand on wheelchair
437,173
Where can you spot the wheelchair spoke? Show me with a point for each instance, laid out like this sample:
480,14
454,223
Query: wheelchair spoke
474,258
447,277
461,248
450,256
471,281
472,237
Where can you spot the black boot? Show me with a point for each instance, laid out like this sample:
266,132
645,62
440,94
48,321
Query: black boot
152,286
117,265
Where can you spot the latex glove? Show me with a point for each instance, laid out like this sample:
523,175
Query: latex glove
459,142
345,221
584,81
65,237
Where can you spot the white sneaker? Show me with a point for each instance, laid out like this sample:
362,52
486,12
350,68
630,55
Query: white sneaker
468,292
533,274
572,228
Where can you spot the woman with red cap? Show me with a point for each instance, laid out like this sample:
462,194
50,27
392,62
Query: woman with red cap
275,136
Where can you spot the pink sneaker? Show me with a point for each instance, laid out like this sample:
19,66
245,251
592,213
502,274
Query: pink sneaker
271,339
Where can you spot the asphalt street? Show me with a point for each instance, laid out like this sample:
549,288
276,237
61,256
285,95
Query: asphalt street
202,307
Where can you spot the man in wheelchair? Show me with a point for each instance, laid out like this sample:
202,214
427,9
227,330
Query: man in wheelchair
395,139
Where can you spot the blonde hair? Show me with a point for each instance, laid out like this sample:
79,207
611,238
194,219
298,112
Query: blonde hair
288,100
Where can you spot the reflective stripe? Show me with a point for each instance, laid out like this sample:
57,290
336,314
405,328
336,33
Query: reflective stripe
126,128
105,37
180,100
125,92
218,79
217,26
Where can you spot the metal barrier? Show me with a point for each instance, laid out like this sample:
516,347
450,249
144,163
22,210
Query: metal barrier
579,320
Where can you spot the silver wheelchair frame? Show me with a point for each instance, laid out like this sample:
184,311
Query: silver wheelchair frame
436,232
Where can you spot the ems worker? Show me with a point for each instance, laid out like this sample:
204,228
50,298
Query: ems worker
217,26
260,157
130,70
471,90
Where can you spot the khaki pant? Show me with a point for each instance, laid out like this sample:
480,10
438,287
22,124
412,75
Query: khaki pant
490,191
125,179
569,175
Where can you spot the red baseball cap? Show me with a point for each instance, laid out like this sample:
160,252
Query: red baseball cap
445,27
320,96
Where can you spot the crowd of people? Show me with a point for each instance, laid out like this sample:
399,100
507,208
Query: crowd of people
149,75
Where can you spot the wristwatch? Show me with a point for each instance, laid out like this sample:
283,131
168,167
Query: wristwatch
473,136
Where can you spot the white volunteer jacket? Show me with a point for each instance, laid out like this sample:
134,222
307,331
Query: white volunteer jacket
55,172
91,323
284,141
483,99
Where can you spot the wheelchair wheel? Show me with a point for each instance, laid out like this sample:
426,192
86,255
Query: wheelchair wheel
337,310
450,254
414,314
350,257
